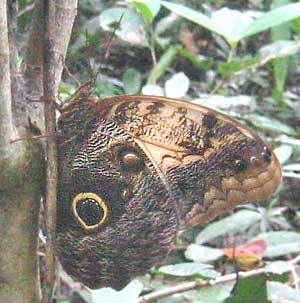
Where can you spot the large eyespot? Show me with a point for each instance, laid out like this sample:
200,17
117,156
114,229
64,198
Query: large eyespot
131,160
90,210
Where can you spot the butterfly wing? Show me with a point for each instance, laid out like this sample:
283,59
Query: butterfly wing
208,161
132,167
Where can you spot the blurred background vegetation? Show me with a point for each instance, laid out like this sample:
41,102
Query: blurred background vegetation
241,57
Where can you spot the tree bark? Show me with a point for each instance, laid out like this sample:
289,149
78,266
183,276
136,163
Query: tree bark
66,11
12,12
20,177
22,169
50,92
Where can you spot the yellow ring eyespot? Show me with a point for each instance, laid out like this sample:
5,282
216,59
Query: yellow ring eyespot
89,210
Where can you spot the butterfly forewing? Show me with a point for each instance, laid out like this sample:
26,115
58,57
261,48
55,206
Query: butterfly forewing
211,161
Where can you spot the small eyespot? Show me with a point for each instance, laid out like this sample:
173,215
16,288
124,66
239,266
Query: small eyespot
266,154
131,160
90,210
240,165
125,190
126,193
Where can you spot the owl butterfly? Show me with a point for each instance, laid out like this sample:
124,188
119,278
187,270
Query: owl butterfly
134,170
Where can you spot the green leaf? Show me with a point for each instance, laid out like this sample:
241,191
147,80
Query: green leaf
296,26
147,8
289,140
282,293
291,170
228,68
291,175
227,103
281,65
292,167
132,81
263,122
250,290
201,253
216,294
232,22
237,25
167,58
237,222
152,90
254,289
189,269
173,299
163,64
280,243
66,90
129,294
283,153
131,28
107,89
278,49
273,18
193,16
200,62
177,86
225,22
278,267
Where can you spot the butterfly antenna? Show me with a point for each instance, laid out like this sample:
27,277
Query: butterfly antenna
109,45
88,54
110,41
69,72
34,137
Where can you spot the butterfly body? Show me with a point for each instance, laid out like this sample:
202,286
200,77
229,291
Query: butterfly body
134,170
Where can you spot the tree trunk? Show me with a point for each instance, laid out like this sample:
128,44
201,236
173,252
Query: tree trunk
22,167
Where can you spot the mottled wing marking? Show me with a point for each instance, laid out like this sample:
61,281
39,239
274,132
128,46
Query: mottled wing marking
171,133
198,163
184,139
190,144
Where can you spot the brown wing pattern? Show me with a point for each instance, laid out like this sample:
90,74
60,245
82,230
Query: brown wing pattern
215,161
132,167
